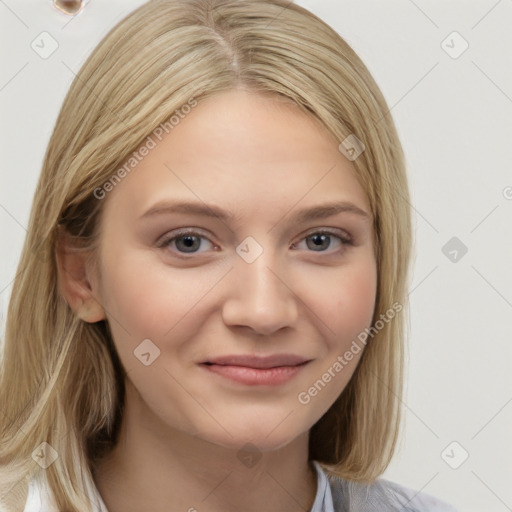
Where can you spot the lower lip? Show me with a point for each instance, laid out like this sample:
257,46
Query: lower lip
256,376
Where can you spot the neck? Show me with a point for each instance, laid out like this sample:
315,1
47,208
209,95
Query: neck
154,467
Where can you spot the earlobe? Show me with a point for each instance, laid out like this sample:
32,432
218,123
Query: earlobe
91,311
74,280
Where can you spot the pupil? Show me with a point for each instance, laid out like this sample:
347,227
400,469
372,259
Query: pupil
188,242
317,241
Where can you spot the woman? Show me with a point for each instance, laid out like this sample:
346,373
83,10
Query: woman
208,313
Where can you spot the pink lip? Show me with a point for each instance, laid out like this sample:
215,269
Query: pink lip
257,370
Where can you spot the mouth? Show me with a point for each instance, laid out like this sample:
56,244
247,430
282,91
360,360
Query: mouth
257,370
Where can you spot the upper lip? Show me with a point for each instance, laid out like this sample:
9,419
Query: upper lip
252,361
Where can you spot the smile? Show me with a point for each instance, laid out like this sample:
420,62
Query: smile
255,376
257,370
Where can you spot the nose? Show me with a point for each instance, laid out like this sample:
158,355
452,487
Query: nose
259,297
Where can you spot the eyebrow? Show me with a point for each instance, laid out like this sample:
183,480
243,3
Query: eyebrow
306,214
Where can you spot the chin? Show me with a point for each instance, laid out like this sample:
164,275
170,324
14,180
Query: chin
255,435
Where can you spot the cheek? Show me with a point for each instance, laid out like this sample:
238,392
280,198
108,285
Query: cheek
146,299
345,305
357,301
344,300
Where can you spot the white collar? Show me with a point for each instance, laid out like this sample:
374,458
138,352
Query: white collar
323,500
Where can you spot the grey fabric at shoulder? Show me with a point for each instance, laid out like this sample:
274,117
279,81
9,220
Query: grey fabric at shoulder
382,496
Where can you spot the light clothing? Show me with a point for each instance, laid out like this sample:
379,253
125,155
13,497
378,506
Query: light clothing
333,495
381,496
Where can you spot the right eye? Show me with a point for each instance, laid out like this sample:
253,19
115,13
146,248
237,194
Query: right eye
183,242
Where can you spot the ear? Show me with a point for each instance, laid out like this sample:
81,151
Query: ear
77,280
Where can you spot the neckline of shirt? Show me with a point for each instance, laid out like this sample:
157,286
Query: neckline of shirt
39,496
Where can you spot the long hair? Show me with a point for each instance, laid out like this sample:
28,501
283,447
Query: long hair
61,382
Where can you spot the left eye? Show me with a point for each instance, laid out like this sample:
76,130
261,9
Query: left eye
321,241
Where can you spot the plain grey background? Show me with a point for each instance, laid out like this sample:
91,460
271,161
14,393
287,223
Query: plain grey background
444,68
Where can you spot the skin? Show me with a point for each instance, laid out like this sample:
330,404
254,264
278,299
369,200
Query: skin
183,427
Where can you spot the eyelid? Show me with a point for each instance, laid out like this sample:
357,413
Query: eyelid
345,236
168,237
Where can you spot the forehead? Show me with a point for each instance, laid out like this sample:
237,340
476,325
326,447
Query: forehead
246,151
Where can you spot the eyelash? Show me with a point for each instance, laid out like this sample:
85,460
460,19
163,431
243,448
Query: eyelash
345,239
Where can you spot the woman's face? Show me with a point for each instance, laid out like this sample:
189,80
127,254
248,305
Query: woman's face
243,272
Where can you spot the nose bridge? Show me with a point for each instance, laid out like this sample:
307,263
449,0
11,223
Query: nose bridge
260,296
261,279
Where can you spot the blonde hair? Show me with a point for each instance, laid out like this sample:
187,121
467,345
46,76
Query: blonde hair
61,381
